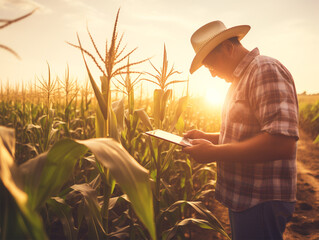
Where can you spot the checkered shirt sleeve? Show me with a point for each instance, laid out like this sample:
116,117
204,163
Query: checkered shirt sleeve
273,100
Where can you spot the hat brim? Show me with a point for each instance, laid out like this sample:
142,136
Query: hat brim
237,31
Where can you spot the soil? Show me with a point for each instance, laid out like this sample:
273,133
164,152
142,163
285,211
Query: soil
305,221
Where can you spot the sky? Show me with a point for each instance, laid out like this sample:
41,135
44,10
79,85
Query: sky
286,30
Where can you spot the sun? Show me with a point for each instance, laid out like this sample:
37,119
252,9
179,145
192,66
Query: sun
215,97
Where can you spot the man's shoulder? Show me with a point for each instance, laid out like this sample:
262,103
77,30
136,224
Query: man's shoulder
262,60
260,64
264,64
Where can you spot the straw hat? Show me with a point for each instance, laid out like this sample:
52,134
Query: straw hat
209,36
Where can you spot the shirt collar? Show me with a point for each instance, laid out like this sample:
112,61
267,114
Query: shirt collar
243,64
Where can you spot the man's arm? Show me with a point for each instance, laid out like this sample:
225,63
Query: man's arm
213,137
261,148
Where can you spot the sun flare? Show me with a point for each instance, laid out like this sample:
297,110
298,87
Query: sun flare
214,97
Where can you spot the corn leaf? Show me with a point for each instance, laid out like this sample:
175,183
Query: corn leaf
204,171
63,211
100,124
201,211
8,22
46,174
10,50
17,220
113,129
132,178
118,201
168,157
54,168
98,94
166,96
180,125
181,107
116,119
188,224
144,118
92,210
118,108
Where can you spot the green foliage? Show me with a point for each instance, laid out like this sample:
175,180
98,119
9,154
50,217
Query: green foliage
17,220
206,219
58,207
309,119
132,178
45,175
174,176
52,170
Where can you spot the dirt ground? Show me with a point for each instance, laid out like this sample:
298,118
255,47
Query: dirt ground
305,222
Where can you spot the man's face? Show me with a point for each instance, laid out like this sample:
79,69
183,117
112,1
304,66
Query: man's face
217,64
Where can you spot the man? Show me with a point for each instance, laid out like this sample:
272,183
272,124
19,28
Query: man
255,150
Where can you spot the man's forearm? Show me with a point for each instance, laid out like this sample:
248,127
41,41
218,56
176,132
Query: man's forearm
212,137
261,148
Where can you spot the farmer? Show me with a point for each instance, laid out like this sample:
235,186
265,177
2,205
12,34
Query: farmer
255,150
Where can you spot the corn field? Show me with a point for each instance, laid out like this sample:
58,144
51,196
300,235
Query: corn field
309,115
75,162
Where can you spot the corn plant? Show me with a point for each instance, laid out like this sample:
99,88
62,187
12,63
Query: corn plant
159,161
70,92
48,88
108,123
130,135
111,68
162,95
309,119
128,85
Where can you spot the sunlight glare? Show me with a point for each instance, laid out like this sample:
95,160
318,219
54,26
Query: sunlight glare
214,97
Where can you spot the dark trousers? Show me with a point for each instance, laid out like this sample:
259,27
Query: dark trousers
265,221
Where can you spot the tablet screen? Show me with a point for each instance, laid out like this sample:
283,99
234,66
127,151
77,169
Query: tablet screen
170,137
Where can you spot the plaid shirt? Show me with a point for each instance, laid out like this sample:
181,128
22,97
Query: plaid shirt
263,99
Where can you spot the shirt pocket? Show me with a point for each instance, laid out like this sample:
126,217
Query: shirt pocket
239,110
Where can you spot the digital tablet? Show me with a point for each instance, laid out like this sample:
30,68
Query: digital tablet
184,142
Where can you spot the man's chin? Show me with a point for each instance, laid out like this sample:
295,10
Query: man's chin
225,78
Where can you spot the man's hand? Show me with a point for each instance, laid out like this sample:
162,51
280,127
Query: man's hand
195,134
201,150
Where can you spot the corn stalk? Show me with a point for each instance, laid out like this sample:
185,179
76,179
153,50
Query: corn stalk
106,120
161,97
111,67
48,88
